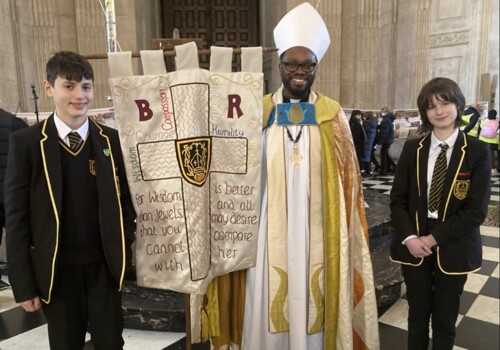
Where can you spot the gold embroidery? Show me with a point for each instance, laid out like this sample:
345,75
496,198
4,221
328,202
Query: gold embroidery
319,302
295,114
92,166
296,158
193,156
277,314
461,189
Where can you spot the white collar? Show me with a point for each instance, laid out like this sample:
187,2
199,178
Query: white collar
63,129
450,141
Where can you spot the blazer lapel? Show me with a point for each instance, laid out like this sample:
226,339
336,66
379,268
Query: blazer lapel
422,160
456,160
102,154
51,158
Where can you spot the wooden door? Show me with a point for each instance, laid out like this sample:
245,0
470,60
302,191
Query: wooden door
229,23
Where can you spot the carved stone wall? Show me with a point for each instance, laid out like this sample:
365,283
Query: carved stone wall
382,51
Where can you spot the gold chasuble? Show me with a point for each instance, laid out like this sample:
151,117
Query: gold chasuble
342,305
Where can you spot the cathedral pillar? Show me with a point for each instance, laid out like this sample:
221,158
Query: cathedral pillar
421,75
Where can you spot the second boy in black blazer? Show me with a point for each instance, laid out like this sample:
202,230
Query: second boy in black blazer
438,247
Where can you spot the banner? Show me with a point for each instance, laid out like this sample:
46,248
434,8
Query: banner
191,141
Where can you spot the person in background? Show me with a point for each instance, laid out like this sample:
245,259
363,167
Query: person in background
386,139
8,124
470,119
370,124
358,137
69,215
490,134
439,198
374,159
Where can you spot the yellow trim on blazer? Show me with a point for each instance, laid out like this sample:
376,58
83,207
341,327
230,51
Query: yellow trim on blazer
117,191
54,208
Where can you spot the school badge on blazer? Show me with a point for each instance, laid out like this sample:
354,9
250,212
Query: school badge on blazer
461,188
92,166
193,156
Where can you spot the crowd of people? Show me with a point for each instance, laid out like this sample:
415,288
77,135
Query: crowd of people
69,257
370,130
368,136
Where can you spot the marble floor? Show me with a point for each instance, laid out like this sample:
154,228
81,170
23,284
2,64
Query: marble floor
477,325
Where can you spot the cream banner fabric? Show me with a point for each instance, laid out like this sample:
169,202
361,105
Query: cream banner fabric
191,140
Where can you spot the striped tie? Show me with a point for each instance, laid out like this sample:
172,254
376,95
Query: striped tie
438,176
74,140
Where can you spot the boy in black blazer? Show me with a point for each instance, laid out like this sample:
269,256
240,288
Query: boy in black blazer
437,238
69,215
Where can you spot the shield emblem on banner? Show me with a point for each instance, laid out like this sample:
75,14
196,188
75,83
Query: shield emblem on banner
193,156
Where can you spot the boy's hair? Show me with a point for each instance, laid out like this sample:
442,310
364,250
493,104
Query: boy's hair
444,89
68,65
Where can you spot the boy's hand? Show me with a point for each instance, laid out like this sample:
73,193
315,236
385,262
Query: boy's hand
418,248
31,305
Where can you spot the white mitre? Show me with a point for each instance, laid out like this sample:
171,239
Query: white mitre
302,26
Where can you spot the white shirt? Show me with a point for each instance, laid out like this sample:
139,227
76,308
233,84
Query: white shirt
63,130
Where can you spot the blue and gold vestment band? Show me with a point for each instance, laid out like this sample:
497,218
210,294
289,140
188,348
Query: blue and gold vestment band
302,113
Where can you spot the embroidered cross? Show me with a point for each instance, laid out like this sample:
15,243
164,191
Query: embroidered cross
191,157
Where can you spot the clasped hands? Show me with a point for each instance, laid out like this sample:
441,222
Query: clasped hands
420,247
31,305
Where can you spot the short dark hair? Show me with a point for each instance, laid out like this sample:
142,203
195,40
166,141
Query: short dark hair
68,65
447,90
356,112
492,114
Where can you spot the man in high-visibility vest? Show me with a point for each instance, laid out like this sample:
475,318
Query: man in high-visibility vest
470,119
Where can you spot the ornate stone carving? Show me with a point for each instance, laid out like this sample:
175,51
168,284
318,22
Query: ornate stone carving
450,39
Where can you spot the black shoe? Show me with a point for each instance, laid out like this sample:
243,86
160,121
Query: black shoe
4,285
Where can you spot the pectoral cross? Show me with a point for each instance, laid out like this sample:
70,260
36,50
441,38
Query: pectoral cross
296,158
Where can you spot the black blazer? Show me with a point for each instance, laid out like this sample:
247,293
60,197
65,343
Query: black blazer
463,209
33,197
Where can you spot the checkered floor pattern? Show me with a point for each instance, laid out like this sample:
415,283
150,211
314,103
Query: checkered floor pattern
478,324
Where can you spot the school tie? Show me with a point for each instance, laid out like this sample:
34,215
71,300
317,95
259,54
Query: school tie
74,140
438,176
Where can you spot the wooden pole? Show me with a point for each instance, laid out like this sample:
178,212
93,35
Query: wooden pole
236,51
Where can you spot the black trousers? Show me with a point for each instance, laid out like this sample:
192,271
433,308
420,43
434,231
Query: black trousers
84,297
386,162
2,220
432,293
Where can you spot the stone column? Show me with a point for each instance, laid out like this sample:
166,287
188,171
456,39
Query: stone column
45,33
421,75
483,67
90,22
328,75
367,55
